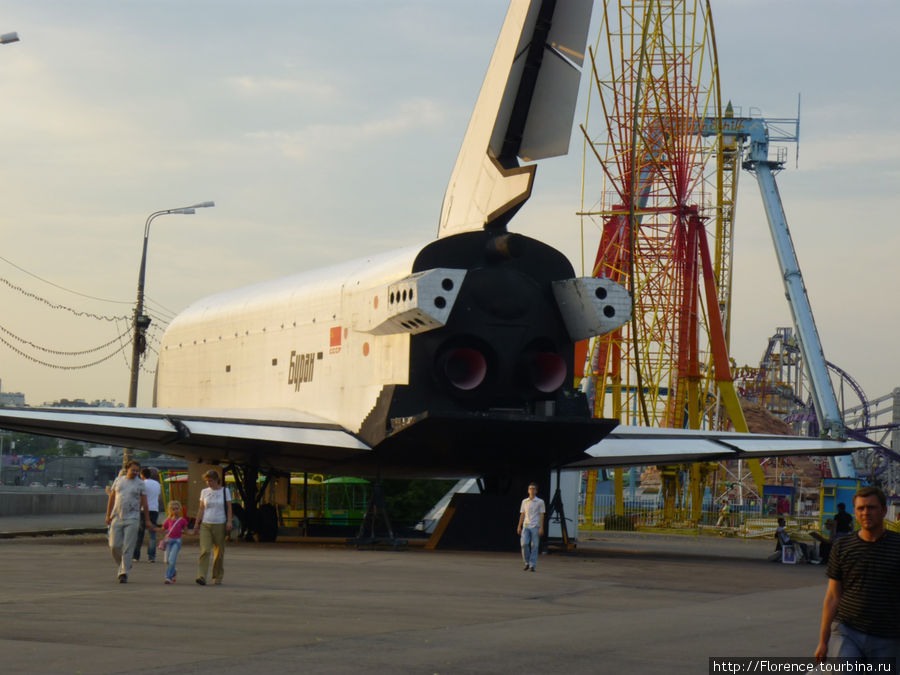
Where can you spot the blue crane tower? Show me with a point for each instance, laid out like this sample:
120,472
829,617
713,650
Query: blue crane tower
754,135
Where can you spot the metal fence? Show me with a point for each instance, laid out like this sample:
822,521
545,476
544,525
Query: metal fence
746,520
739,520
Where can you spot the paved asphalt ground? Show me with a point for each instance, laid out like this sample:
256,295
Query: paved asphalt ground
624,603
50,523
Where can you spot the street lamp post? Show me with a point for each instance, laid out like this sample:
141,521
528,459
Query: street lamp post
7,38
141,321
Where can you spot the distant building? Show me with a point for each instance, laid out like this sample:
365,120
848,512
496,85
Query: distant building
107,451
12,399
81,403
17,400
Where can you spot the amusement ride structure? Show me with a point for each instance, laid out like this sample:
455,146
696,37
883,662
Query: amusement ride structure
661,164
780,385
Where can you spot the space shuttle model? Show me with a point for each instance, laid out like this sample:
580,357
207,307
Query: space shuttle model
448,359
455,358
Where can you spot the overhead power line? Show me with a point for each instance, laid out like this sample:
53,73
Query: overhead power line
65,353
54,305
60,366
161,308
159,319
68,290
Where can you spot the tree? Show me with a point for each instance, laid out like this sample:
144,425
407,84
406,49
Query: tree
72,449
408,501
29,444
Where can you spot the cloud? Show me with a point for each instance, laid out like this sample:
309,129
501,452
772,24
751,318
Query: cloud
318,140
46,109
852,149
248,85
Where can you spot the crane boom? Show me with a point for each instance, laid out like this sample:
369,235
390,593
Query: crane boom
757,131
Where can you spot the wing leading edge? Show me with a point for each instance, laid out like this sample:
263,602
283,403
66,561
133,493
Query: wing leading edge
627,446
291,440
275,438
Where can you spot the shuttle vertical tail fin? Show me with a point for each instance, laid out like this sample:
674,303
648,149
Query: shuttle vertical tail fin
524,110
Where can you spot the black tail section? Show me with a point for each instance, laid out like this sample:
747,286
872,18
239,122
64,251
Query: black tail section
503,361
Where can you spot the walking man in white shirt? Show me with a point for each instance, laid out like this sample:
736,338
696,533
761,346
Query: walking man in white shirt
531,526
127,502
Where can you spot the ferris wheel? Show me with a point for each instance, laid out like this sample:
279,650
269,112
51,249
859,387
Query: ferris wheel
657,201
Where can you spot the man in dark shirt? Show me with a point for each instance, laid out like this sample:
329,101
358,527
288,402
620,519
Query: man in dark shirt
861,611
843,522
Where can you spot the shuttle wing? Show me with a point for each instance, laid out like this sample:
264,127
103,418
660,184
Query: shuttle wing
290,440
267,438
628,446
525,110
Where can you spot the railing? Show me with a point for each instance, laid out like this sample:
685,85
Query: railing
737,520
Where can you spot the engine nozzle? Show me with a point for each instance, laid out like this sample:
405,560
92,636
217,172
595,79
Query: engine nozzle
465,368
547,371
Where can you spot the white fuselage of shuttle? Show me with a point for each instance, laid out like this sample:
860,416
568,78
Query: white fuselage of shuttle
290,343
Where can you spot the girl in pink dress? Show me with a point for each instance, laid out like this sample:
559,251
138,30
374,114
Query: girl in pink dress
173,526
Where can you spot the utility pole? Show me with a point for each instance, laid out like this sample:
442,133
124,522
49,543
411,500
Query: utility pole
141,321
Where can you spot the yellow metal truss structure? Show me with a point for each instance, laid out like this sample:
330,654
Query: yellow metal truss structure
658,197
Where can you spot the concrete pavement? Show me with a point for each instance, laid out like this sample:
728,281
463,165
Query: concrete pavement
48,524
624,603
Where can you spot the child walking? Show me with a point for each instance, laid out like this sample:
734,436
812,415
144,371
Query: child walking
173,526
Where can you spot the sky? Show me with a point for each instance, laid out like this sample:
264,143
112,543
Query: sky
326,130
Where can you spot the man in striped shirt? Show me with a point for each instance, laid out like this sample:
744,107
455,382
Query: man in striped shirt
861,612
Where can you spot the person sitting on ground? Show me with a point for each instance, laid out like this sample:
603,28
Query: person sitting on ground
784,539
